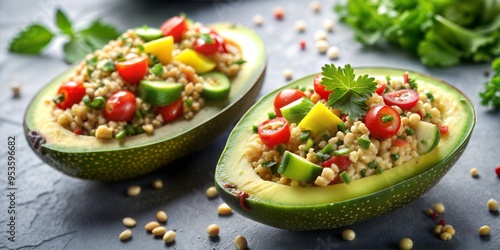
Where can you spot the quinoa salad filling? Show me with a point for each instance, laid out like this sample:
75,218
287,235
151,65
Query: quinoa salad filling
342,129
147,78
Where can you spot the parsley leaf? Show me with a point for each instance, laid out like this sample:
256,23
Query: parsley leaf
75,50
64,23
32,40
491,93
349,93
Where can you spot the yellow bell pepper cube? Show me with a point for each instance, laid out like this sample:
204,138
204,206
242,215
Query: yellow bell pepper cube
161,48
199,62
320,119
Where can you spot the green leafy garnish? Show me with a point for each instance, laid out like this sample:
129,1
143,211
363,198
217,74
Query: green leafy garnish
349,93
36,37
239,62
491,93
206,38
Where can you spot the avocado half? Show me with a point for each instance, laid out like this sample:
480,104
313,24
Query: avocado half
87,157
312,208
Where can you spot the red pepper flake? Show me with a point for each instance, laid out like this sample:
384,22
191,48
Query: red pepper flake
406,77
443,129
77,131
279,13
242,195
442,222
302,44
227,185
497,171
435,215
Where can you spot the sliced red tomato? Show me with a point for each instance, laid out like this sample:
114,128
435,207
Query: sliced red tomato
207,44
274,132
133,70
68,94
403,98
171,111
382,121
443,129
120,106
400,143
321,89
342,162
380,88
174,26
285,97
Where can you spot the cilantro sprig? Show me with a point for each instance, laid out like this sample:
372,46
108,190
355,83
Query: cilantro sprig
349,93
35,38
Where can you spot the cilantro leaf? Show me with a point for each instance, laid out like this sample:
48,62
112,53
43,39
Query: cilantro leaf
64,23
99,34
32,40
349,93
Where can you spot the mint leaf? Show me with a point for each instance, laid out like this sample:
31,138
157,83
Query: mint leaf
32,40
75,50
99,34
64,23
349,93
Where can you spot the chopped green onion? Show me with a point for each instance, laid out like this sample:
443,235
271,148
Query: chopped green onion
430,96
372,164
92,132
255,128
206,38
380,170
304,135
345,177
281,149
58,98
410,131
309,144
109,66
326,137
387,118
342,151
138,114
271,115
154,59
92,62
428,115
364,143
341,127
423,141
322,157
157,69
188,102
327,149
363,172
138,129
413,84
119,55
130,130
271,165
395,156
140,48
97,103
239,62
121,135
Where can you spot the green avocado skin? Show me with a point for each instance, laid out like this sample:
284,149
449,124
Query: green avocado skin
117,161
308,215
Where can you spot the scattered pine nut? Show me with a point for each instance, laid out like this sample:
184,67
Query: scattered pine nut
129,222
449,229
279,13
151,225
328,25
125,235
438,229
321,46
333,52
484,230
133,190
211,192
258,20
492,205
428,211
474,172
159,231
439,207
406,244
161,216
157,184
348,235
213,230
16,90
446,236
240,242
287,73
320,35
315,6
169,236
224,209
300,25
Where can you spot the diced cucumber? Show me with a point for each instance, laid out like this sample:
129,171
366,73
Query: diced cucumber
297,168
428,136
364,143
148,34
217,86
160,93
297,110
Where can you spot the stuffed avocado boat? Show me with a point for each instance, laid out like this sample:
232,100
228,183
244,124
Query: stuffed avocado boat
339,147
147,98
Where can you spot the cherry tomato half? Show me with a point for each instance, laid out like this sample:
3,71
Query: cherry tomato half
120,106
68,94
207,44
403,98
274,132
171,111
174,26
285,97
133,70
321,89
382,121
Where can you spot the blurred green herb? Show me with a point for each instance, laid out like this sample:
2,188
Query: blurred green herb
442,32
491,94
34,38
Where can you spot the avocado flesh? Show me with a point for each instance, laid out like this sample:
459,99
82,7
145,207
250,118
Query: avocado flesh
311,208
108,160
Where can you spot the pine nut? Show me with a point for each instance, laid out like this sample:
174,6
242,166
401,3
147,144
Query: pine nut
158,231
213,230
224,209
133,191
157,184
211,192
240,242
406,244
151,225
125,235
348,235
161,216
129,222
169,236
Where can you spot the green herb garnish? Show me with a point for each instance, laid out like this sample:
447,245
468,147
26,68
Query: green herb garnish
349,93
491,93
34,38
